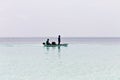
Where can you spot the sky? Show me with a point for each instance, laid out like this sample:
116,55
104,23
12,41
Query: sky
69,18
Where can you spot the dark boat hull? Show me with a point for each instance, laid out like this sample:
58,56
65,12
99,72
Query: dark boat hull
51,45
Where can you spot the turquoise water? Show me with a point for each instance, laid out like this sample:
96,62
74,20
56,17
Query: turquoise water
91,61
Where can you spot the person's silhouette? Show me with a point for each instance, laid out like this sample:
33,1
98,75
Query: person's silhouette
47,42
59,39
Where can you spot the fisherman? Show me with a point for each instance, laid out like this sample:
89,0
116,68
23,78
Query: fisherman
53,43
47,42
59,39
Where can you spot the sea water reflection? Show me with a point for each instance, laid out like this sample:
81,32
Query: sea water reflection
57,47
75,62
57,50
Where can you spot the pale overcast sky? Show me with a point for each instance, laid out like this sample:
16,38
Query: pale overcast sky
76,18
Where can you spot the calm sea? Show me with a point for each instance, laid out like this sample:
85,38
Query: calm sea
82,59
69,40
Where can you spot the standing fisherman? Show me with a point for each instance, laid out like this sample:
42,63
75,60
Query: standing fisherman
59,39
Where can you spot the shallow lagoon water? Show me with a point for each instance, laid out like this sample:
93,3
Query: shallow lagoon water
94,61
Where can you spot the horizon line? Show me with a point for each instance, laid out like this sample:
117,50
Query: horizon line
56,37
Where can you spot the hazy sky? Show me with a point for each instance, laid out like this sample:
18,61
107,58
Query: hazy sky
78,18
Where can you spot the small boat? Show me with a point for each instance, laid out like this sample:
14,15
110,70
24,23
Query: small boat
56,45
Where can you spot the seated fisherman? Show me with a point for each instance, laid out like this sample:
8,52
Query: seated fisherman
47,42
53,43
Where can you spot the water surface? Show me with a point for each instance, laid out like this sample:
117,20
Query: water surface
78,61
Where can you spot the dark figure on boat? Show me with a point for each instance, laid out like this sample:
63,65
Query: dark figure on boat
47,42
43,43
59,39
53,43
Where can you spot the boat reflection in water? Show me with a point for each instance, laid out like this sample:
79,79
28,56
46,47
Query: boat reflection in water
54,49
